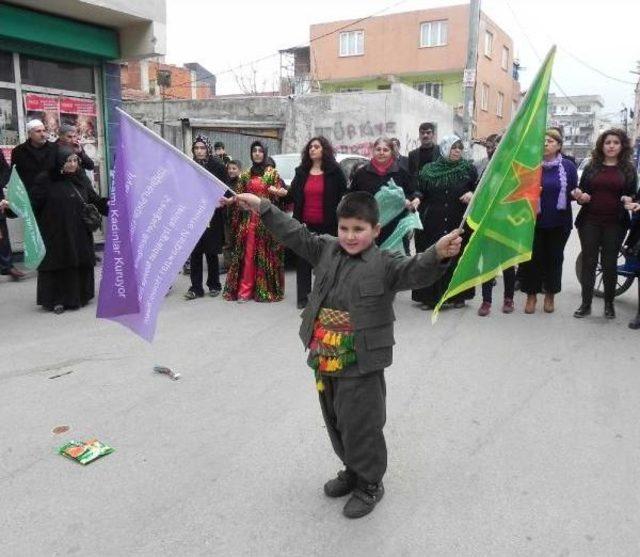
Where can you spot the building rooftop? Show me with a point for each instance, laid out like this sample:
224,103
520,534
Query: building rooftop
553,98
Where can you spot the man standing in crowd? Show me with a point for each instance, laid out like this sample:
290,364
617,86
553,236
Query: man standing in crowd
6,255
427,152
403,162
35,155
68,136
219,151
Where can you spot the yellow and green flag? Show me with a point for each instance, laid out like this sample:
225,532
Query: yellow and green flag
502,214
34,250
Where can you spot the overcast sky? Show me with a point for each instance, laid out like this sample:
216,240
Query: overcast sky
223,34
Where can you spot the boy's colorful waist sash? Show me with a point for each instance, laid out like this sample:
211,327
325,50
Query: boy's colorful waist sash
332,346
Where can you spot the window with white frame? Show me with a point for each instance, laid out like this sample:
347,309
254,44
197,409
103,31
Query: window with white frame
434,33
430,88
352,43
500,105
505,58
488,43
484,97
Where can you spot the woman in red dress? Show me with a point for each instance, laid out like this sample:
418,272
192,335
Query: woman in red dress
257,260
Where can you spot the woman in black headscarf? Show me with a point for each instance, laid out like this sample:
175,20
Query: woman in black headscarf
59,197
210,243
257,261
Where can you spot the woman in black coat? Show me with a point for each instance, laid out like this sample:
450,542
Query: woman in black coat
65,275
381,169
210,243
447,186
316,190
632,248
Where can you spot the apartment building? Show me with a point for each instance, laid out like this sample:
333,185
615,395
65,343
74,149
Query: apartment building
139,80
580,119
426,50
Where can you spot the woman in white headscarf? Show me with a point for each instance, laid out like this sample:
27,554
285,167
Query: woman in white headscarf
447,186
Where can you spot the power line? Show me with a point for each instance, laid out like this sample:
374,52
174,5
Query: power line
575,57
535,51
593,68
263,58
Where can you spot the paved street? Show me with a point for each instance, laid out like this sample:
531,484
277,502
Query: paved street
509,435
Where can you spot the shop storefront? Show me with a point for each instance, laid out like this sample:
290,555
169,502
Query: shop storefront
56,69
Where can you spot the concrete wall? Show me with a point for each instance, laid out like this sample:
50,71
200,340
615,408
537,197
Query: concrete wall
351,121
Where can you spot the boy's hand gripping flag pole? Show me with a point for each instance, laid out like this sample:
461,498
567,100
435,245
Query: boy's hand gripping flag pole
502,213
161,201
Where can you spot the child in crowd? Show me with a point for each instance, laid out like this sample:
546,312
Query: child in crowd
348,327
234,169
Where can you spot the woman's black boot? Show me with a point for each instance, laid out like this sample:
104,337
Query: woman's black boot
582,311
609,310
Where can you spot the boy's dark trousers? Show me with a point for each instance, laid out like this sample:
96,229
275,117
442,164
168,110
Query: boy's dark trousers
213,271
354,411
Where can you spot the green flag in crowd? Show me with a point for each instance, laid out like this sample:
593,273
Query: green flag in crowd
504,208
391,203
19,203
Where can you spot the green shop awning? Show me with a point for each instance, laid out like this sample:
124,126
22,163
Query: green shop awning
41,34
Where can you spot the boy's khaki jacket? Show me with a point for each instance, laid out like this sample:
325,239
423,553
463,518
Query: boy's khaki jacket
371,288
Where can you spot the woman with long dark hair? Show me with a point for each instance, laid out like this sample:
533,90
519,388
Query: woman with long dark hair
543,273
257,260
607,185
316,190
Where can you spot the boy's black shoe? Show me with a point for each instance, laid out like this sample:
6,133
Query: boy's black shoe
344,484
635,323
363,500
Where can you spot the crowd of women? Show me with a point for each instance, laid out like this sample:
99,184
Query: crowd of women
437,180
439,183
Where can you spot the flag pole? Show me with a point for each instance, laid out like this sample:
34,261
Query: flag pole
524,102
163,141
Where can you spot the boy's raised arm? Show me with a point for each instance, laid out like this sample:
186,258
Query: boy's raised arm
423,269
413,273
291,233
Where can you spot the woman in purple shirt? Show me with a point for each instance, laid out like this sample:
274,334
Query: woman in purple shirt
543,273
607,188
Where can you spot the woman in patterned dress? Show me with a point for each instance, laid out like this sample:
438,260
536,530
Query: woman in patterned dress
257,261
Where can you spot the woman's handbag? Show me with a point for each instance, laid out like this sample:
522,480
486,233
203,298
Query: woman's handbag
90,215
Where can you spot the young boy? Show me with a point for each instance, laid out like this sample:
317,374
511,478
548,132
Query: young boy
219,151
234,168
348,328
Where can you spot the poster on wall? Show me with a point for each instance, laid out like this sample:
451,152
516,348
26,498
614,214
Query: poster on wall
54,110
45,108
81,113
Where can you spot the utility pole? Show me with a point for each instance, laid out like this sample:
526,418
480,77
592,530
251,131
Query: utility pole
469,79
163,78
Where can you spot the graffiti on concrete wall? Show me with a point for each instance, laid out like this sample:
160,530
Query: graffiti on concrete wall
355,137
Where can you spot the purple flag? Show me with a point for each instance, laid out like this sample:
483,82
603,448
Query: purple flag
161,202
